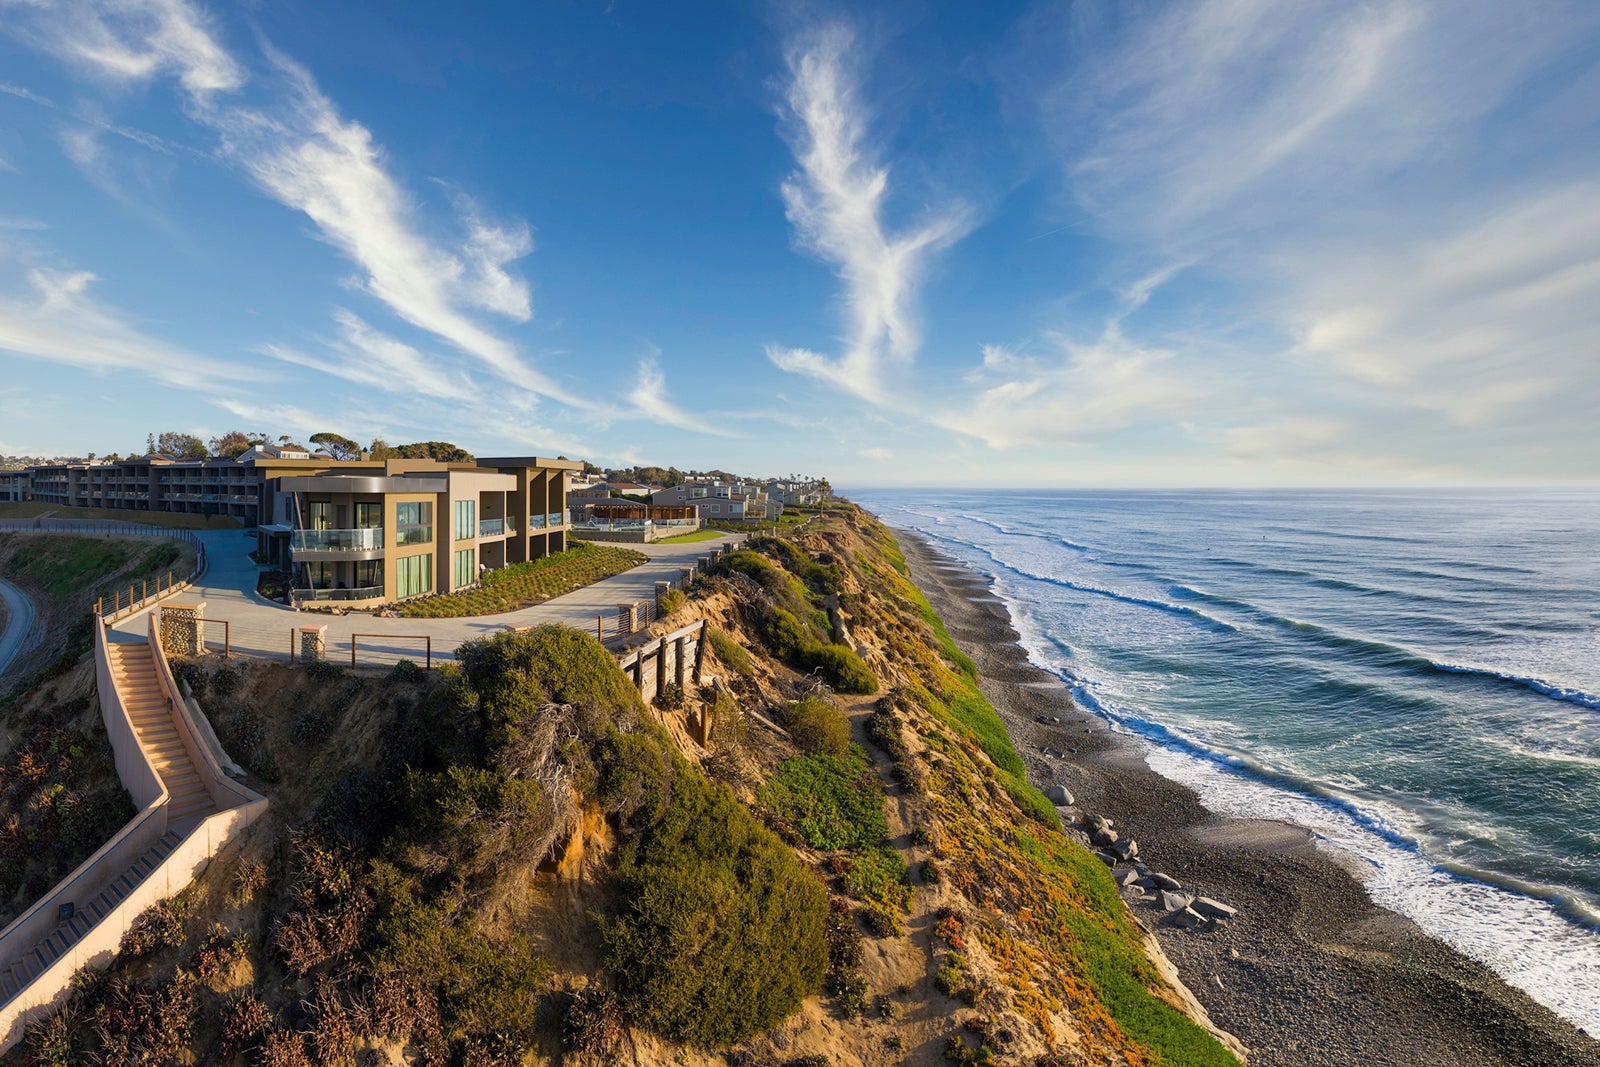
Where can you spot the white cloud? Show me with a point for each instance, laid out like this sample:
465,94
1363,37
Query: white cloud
836,203
877,454
62,323
1079,393
1476,323
302,152
137,40
650,398
360,353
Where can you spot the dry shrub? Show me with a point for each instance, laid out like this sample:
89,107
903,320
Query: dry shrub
330,907
593,1023
285,1048
246,1022
333,1033
160,926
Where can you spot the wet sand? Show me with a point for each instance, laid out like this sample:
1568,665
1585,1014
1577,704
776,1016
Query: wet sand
1310,972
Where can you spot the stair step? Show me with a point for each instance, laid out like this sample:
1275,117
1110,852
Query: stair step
8,985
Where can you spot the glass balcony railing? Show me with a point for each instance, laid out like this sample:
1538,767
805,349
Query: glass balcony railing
337,540
413,535
536,522
491,527
557,518
364,593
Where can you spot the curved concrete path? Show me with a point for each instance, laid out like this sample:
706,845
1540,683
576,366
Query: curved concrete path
19,620
262,628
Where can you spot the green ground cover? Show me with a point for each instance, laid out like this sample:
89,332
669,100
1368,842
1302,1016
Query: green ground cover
522,585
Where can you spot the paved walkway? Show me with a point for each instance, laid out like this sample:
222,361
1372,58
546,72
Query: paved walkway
262,628
19,620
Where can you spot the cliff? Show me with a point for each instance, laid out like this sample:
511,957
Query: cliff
515,860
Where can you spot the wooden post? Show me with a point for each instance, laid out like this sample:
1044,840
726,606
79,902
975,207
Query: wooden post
227,638
429,639
144,590
352,650
699,651
291,646
599,627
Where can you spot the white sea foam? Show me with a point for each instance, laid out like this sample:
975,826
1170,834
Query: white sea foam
1522,938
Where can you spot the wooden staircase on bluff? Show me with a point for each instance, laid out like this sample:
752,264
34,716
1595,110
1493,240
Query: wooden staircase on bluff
133,671
15,978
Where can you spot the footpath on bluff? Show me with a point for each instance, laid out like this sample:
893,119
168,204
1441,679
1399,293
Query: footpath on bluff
261,628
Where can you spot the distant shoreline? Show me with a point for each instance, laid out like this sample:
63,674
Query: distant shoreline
1310,972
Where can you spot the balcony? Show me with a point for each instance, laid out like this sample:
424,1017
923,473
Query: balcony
337,540
371,592
536,522
558,518
496,527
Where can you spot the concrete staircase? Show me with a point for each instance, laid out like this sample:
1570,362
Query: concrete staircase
84,919
134,672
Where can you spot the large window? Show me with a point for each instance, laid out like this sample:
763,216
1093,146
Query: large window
413,522
369,573
413,575
466,567
369,516
466,520
319,515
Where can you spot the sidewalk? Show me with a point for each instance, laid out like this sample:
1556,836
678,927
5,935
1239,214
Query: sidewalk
261,628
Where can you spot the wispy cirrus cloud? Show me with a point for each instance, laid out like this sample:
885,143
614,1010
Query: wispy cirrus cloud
836,202
292,141
363,354
649,397
61,322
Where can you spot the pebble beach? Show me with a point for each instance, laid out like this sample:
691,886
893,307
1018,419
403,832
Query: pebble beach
1308,971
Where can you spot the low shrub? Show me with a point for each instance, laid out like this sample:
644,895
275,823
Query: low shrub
722,934
878,875
670,601
592,1024
817,726
843,669
405,671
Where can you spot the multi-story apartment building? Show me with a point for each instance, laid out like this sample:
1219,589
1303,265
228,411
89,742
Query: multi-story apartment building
148,483
367,533
360,531
718,501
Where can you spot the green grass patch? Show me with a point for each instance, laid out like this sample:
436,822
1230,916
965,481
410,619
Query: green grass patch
730,653
834,802
878,875
524,584
692,535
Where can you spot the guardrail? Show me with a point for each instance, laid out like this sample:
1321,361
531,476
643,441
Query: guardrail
426,638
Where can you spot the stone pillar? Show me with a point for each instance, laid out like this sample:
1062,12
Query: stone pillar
183,629
313,643
628,617
685,576
727,546
702,564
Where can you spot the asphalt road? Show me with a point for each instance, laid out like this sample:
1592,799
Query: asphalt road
19,620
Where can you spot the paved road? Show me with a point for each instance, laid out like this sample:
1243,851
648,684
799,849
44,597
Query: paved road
261,628
19,620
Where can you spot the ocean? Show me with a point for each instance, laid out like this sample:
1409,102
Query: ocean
1414,676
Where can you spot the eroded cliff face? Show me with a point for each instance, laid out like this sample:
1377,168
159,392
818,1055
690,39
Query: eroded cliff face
517,861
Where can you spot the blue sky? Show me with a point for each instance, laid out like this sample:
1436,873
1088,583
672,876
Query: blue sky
1233,242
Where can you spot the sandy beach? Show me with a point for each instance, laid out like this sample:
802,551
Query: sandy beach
1310,972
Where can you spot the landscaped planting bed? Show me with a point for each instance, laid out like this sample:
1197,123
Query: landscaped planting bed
524,584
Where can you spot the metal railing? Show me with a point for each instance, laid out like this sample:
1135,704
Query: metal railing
365,540
427,663
366,592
